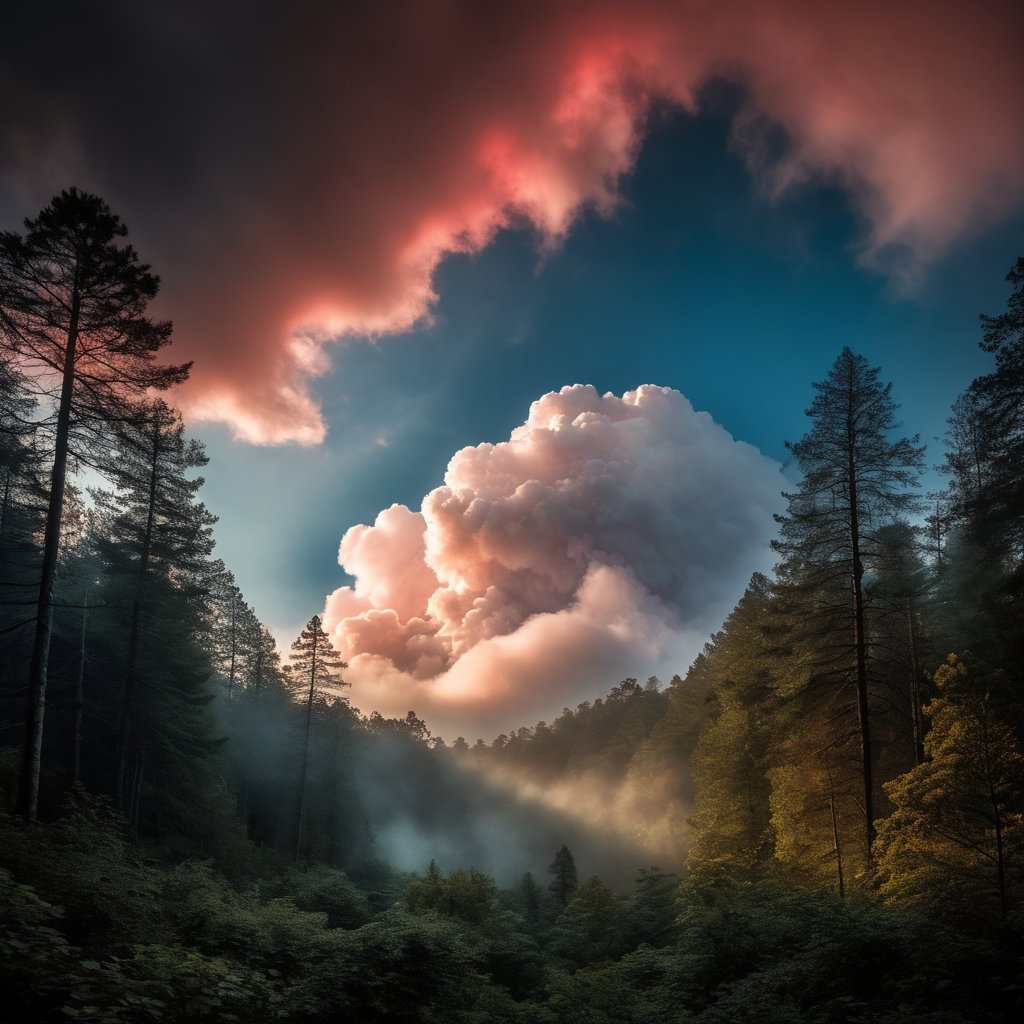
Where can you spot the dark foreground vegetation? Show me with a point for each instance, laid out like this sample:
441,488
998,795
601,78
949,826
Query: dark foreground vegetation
98,927
189,825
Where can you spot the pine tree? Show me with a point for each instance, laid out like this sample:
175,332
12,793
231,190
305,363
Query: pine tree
257,746
588,922
900,593
314,665
855,481
986,488
563,867
529,899
264,661
999,506
736,676
22,504
236,639
156,540
72,311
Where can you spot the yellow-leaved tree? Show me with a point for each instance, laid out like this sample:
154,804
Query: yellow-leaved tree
954,845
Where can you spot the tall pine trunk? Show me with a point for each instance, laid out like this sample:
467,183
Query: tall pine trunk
860,650
32,754
79,705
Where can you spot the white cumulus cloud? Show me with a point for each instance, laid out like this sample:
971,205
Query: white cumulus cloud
607,537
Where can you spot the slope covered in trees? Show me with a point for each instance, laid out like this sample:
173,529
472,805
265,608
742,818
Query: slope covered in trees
192,826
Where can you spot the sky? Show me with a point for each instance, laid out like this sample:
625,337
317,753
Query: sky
391,233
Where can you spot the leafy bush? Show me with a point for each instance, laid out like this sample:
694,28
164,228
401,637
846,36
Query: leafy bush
401,968
322,890
85,863
172,985
36,958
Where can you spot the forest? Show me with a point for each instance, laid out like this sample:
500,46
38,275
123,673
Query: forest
821,820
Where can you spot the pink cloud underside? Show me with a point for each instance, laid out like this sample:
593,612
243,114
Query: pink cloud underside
410,131
601,535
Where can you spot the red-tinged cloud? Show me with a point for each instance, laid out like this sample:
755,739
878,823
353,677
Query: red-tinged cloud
606,538
303,171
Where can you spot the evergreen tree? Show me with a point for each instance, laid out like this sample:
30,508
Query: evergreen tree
264,661
563,867
72,311
156,542
998,509
855,481
736,676
529,897
587,925
986,489
258,748
466,896
237,644
315,666
651,910
900,591
22,507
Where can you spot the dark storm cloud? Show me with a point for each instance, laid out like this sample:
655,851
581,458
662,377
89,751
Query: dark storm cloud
296,172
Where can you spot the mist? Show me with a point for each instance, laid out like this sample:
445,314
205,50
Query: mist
424,805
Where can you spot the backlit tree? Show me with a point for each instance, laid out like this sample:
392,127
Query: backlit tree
855,481
156,541
954,845
72,314
315,666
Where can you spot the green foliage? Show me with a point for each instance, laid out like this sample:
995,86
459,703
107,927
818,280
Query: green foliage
739,673
564,882
762,952
986,491
322,890
659,776
855,482
315,666
85,863
402,967
531,901
586,929
204,912
36,957
647,916
181,943
72,314
183,904
468,897
170,984
731,817
381,883
954,845
412,727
